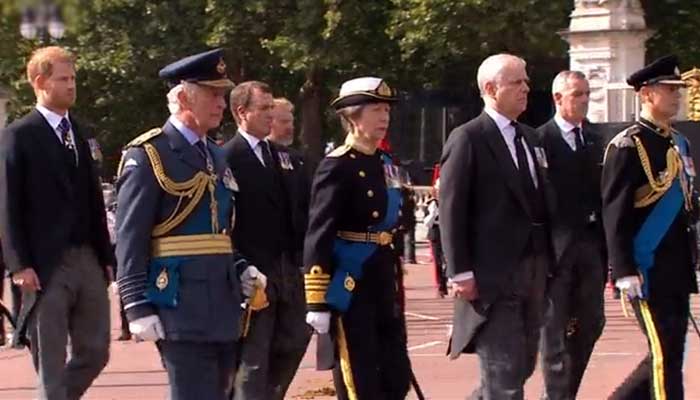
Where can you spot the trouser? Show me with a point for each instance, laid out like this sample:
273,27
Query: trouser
439,264
507,342
198,371
277,338
371,338
74,302
577,319
659,375
409,244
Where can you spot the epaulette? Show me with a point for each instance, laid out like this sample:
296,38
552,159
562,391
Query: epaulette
144,137
339,151
624,138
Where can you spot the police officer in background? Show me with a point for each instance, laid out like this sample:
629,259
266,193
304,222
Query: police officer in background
178,276
649,208
351,267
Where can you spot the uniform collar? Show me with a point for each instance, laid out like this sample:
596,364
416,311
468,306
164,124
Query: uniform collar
188,133
660,128
564,125
360,145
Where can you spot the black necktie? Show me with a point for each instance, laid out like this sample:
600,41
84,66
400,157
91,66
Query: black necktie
577,138
266,155
523,165
64,129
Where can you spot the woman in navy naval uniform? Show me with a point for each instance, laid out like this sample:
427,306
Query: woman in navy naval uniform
352,270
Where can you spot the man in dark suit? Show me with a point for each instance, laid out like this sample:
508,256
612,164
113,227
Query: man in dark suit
282,134
575,156
494,226
59,254
265,234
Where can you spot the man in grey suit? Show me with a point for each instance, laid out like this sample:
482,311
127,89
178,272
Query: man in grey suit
54,231
493,221
179,276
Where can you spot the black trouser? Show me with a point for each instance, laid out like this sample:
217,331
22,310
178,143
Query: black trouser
277,338
409,247
438,258
371,337
507,342
664,321
577,318
198,371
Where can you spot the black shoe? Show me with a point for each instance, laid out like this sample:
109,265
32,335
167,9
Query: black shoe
125,336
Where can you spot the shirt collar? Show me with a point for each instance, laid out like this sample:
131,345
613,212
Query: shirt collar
252,140
51,117
564,125
188,133
500,120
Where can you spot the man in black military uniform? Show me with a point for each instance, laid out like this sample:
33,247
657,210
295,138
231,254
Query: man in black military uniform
649,209
574,156
178,276
351,268
267,235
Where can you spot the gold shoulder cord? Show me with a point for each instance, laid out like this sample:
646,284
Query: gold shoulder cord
193,189
661,185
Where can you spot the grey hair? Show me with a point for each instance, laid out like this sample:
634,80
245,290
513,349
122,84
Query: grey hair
491,69
346,114
174,93
560,81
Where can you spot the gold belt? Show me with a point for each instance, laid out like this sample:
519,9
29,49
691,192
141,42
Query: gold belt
380,238
191,245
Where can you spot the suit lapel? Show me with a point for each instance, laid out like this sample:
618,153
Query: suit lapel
184,150
47,138
259,173
500,151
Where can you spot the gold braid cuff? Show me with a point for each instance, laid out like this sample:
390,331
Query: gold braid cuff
316,284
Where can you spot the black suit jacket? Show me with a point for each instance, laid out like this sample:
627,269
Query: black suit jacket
485,218
575,178
36,200
263,229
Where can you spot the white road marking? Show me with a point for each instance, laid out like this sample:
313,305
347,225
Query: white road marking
421,316
424,345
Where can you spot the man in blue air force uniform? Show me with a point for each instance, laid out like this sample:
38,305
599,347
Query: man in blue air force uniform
649,207
179,276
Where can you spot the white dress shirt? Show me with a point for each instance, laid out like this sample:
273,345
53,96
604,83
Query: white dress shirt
508,133
254,144
567,131
54,121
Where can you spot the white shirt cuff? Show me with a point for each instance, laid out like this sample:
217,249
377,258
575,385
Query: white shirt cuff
463,276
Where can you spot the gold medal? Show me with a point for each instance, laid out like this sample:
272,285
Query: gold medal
162,280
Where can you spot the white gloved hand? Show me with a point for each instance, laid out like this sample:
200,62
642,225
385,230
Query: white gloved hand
249,277
319,320
632,285
147,328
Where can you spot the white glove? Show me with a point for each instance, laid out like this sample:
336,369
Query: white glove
632,285
249,277
148,328
319,320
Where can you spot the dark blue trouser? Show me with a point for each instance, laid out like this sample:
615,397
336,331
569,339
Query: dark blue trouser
198,371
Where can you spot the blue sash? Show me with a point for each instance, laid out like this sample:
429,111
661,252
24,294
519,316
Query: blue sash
350,257
658,222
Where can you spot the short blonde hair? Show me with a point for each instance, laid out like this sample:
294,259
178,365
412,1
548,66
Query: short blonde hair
282,101
43,59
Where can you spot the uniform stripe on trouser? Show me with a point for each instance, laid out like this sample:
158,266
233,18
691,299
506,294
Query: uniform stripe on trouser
657,356
345,366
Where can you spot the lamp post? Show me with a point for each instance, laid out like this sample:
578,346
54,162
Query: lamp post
43,21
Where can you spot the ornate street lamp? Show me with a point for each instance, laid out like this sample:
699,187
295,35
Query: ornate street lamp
43,20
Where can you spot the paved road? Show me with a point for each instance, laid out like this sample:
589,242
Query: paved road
134,371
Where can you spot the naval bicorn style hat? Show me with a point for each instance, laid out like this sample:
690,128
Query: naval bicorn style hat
364,90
